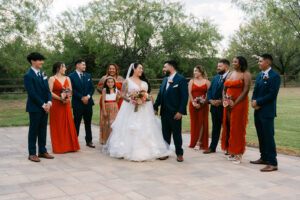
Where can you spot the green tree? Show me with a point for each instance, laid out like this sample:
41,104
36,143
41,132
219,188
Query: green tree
19,33
124,31
262,35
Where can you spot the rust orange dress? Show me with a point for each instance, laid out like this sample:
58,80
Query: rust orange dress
62,128
233,137
199,116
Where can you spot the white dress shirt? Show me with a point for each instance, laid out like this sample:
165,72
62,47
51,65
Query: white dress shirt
170,78
266,72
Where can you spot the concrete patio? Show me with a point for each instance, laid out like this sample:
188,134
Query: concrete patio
89,174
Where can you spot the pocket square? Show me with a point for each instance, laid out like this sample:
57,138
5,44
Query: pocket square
175,86
45,77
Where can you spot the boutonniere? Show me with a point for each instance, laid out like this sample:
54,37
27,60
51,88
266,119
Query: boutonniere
84,75
44,75
170,81
266,77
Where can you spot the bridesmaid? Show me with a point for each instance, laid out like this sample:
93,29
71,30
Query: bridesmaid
112,70
110,99
62,128
198,87
235,117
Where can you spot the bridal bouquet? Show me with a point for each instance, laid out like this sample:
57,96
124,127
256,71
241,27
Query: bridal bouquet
227,100
138,98
66,93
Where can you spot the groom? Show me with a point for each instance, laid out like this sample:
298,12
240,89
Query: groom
264,102
172,97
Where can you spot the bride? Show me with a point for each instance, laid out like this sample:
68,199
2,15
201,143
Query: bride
136,136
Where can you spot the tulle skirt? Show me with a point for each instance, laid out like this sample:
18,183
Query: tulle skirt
136,136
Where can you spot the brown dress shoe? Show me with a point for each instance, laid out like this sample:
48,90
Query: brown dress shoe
33,158
269,168
179,158
259,162
45,155
90,144
207,151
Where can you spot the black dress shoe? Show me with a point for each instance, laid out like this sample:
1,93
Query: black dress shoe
90,144
259,162
163,158
207,151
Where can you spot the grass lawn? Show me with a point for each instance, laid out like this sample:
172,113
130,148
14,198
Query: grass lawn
287,124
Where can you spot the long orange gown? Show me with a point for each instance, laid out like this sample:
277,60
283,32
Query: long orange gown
62,128
235,144
199,116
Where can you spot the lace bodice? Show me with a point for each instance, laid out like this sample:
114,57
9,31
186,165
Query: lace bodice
132,86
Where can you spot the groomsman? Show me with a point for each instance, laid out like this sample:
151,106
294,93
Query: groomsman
38,106
264,102
82,101
172,99
214,97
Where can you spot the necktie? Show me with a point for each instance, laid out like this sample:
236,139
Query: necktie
39,74
81,77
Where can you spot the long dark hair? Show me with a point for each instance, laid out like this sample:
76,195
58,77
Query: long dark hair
142,77
243,63
106,87
56,67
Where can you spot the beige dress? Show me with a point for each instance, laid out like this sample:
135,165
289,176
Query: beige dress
111,107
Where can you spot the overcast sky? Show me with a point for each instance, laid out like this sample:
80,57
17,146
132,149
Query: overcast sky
222,12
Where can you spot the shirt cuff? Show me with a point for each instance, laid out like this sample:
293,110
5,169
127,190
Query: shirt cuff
49,102
89,96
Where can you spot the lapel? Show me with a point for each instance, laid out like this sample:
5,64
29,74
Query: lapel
219,83
261,79
175,79
36,77
77,79
163,86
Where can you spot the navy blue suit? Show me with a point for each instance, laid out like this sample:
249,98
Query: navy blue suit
82,87
172,100
265,93
215,93
38,94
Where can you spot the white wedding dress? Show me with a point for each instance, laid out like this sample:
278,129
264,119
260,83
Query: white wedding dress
136,136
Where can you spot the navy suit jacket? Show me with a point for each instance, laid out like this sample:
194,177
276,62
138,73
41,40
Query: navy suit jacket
38,91
175,98
215,92
265,93
81,89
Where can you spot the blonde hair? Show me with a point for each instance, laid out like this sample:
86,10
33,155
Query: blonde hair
202,70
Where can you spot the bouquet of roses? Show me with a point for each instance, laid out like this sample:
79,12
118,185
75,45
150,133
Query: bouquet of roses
65,93
227,100
138,98
199,100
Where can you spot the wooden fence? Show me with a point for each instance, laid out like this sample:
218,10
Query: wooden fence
16,85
